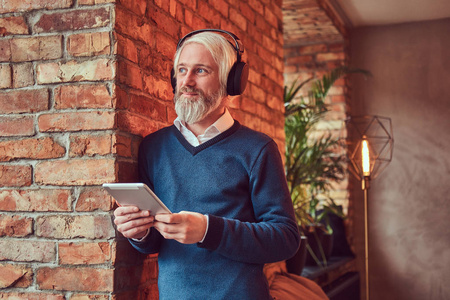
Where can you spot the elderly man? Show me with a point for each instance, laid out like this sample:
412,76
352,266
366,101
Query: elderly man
225,182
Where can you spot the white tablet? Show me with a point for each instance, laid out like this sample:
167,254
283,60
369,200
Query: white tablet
138,194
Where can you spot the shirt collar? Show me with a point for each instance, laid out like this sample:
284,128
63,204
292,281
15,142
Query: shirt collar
222,124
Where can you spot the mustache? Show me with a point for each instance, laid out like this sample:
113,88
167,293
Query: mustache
186,89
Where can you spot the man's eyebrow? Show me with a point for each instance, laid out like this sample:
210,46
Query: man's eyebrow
195,65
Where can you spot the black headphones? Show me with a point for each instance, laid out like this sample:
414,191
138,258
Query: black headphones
238,76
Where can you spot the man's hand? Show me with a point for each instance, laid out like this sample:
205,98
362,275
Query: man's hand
132,222
184,227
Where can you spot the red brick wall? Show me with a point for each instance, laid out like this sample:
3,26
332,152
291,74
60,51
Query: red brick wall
80,83
56,147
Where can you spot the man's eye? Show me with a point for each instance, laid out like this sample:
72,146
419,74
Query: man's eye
201,71
181,70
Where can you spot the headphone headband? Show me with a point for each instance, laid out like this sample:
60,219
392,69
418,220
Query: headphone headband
238,46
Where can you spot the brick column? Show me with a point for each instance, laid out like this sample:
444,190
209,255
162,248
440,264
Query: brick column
315,43
57,145
81,82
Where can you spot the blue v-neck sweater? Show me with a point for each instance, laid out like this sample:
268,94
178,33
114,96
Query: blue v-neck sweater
237,178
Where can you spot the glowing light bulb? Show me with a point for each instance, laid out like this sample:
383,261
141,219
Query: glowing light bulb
365,158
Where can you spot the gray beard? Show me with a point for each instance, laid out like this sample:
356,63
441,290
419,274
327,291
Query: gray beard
194,110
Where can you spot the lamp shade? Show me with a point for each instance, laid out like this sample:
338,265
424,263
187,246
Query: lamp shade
370,143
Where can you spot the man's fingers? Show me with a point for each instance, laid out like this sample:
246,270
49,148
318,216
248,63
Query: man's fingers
130,229
136,232
166,227
132,222
168,218
135,222
124,210
135,226
127,214
184,227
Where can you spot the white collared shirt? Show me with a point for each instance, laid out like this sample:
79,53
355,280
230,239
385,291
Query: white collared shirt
222,124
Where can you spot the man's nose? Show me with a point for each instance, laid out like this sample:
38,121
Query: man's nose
189,79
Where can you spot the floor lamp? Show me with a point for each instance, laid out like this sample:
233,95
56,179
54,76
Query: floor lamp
369,141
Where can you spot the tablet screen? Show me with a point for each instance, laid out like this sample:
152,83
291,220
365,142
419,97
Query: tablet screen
138,194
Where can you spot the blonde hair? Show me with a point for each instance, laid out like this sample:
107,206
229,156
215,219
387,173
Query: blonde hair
221,50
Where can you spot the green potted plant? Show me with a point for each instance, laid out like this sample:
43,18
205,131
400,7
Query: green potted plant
312,164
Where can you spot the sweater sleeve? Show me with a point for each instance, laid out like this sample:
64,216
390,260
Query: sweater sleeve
274,236
150,245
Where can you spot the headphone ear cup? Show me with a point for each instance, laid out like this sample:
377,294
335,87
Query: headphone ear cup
237,79
173,80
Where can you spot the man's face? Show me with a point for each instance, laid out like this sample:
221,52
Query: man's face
198,90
